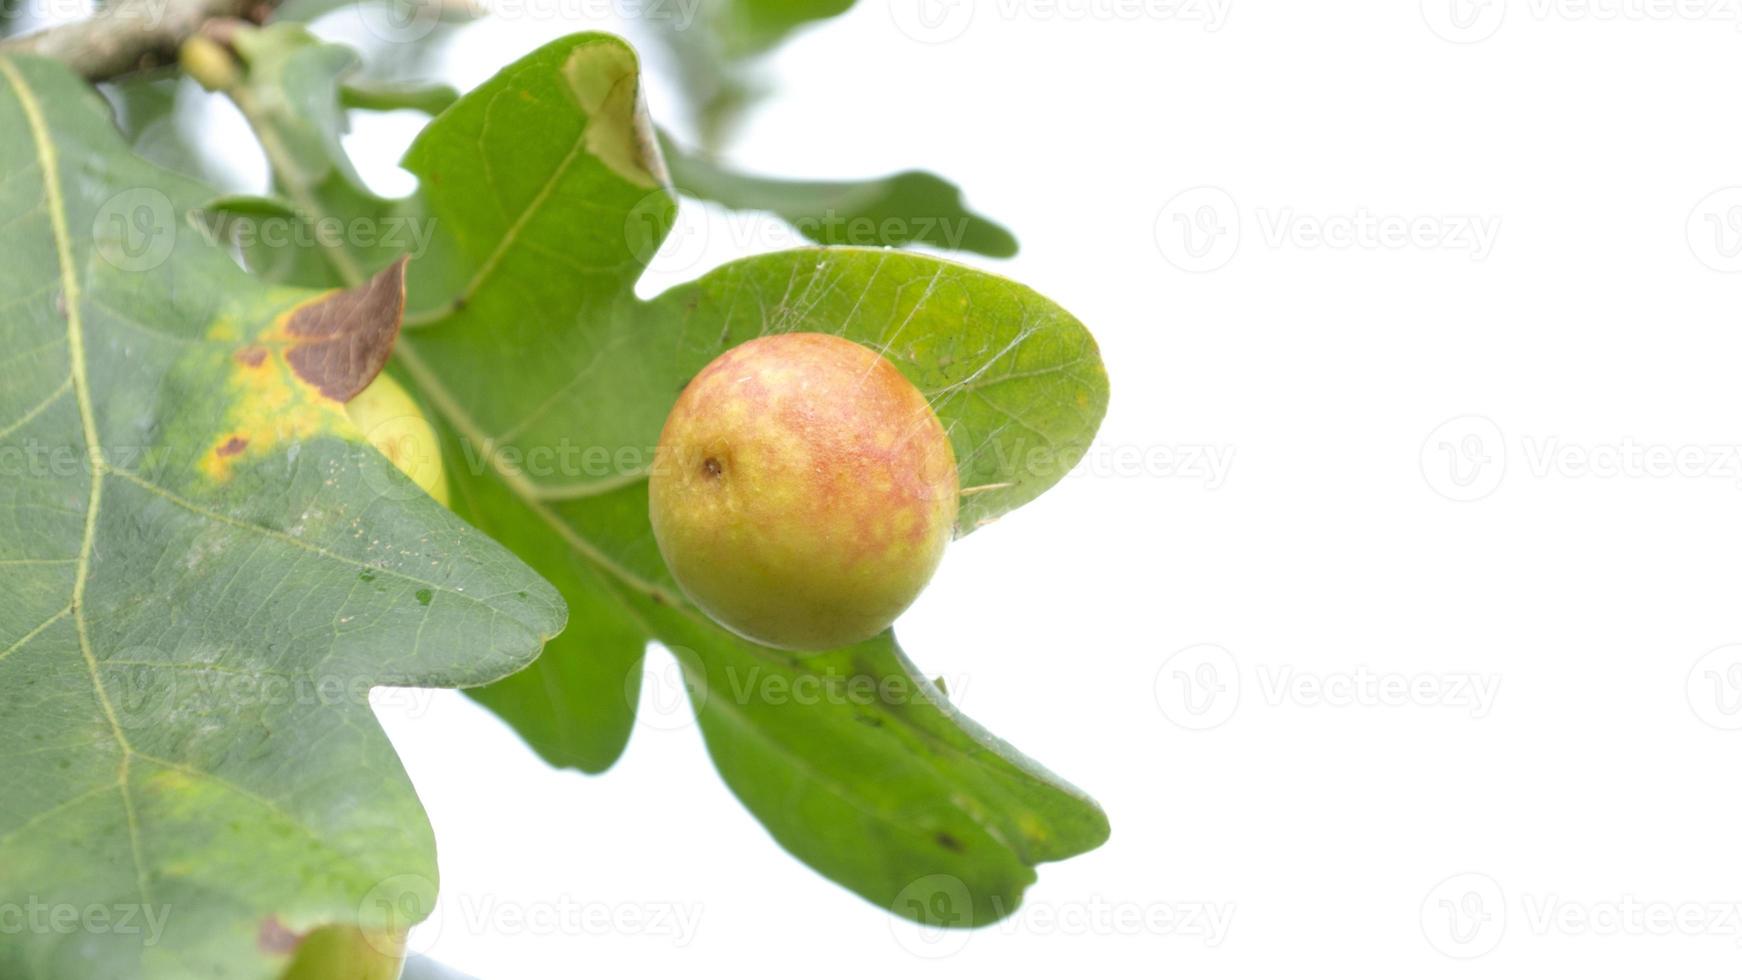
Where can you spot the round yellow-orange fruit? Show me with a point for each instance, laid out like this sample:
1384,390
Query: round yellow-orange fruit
803,491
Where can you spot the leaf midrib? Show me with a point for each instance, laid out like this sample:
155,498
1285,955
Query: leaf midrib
101,468
71,293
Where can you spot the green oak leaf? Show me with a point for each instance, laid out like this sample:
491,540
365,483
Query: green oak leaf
207,569
912,207
553,380
549,380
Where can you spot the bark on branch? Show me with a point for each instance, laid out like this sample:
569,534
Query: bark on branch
131,35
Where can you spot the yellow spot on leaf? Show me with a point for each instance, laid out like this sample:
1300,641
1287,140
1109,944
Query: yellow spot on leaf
224,331
169,781
270,407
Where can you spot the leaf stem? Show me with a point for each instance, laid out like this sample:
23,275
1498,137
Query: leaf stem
284,171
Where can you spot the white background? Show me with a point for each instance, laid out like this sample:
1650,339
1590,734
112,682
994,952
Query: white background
1420,671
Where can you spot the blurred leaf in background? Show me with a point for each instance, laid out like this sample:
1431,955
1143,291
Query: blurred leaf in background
716,54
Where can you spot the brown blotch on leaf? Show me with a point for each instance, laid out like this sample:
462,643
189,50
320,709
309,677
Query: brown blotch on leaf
234,445
341,340
275,939
251,356
949,843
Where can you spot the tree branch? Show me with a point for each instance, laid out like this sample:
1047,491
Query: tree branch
131,35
